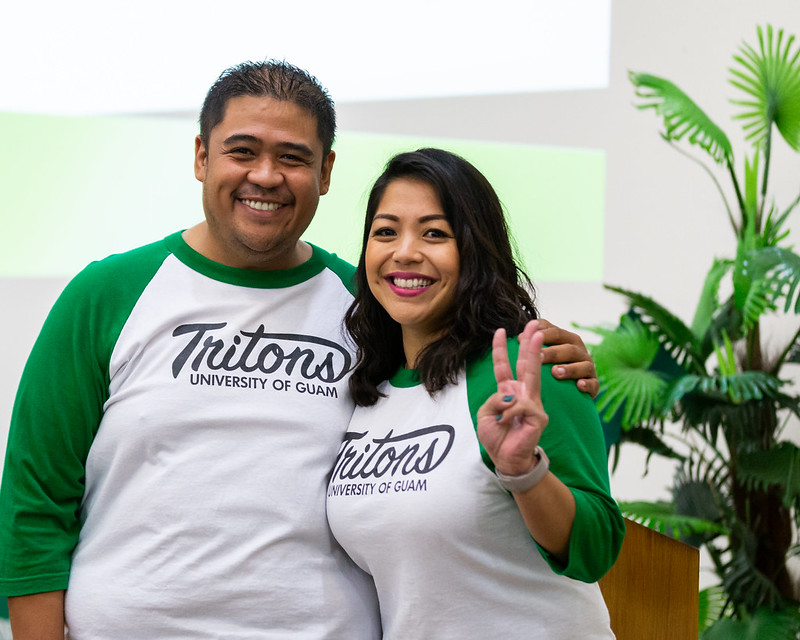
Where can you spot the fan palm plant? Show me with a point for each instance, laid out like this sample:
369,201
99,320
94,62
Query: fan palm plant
709,394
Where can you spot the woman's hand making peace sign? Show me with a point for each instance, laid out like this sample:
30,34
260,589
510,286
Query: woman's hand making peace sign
511,421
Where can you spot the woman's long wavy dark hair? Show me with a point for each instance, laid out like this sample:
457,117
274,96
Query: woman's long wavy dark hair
492,291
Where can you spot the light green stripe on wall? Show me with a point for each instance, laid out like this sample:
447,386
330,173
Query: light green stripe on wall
554,199
76,189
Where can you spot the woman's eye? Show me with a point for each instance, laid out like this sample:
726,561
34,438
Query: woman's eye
383,232
437,233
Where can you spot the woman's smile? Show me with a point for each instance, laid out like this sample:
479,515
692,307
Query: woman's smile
412,259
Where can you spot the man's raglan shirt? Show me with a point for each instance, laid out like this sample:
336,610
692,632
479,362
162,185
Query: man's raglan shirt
169,451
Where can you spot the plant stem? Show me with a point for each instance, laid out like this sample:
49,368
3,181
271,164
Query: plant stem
716,182
739,198
754,360
779,363
767,154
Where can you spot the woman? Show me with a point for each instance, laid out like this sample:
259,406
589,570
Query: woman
442,489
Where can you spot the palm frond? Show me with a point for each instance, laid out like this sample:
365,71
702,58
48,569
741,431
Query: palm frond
660,516
650,440
780,270
728,319
712,604
746,585
682,118
751,189
678,339
770,76
708,414
736,389
773,231
698,498
793,354
764,624
758,301
623,361
708,304
753,292
779,466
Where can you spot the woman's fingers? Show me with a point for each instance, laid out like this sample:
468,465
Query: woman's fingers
502,366
496,406
529,361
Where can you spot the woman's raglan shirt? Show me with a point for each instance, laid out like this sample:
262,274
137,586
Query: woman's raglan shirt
414,500
170,447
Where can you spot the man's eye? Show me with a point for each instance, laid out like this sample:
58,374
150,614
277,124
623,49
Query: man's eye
291,158
242,151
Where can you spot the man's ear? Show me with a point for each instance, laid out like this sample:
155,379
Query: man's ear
325,176
200,159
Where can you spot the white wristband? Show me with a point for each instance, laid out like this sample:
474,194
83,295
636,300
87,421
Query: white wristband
518,484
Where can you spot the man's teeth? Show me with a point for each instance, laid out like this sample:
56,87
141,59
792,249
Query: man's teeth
412,283
262,206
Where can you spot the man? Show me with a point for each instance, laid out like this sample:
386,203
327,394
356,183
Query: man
181,409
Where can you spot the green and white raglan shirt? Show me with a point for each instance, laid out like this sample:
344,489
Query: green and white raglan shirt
414,500
170,447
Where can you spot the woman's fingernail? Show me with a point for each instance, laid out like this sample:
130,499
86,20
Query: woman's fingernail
499,417
508,398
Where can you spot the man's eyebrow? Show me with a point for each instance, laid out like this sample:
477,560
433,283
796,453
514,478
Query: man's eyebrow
297,147
240,137
300,148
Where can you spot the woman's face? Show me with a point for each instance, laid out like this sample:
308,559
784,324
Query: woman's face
412,260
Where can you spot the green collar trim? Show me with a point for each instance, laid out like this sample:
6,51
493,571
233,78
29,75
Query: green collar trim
247,277
405,378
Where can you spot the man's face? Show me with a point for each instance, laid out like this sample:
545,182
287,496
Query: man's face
262,173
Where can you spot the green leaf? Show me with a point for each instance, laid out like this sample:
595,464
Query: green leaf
779,466
770,76
753,291
794,354
660,516
751,185
780,271
623,362
681,116
764,624
773,225
736,388
726,320
708,304
673,334
650,440
748,588
726,360
712,604
697,498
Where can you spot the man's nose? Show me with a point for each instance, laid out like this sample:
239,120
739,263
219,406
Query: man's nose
266,173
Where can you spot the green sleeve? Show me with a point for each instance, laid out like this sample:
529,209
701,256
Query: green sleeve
57,411
343,269
573,441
